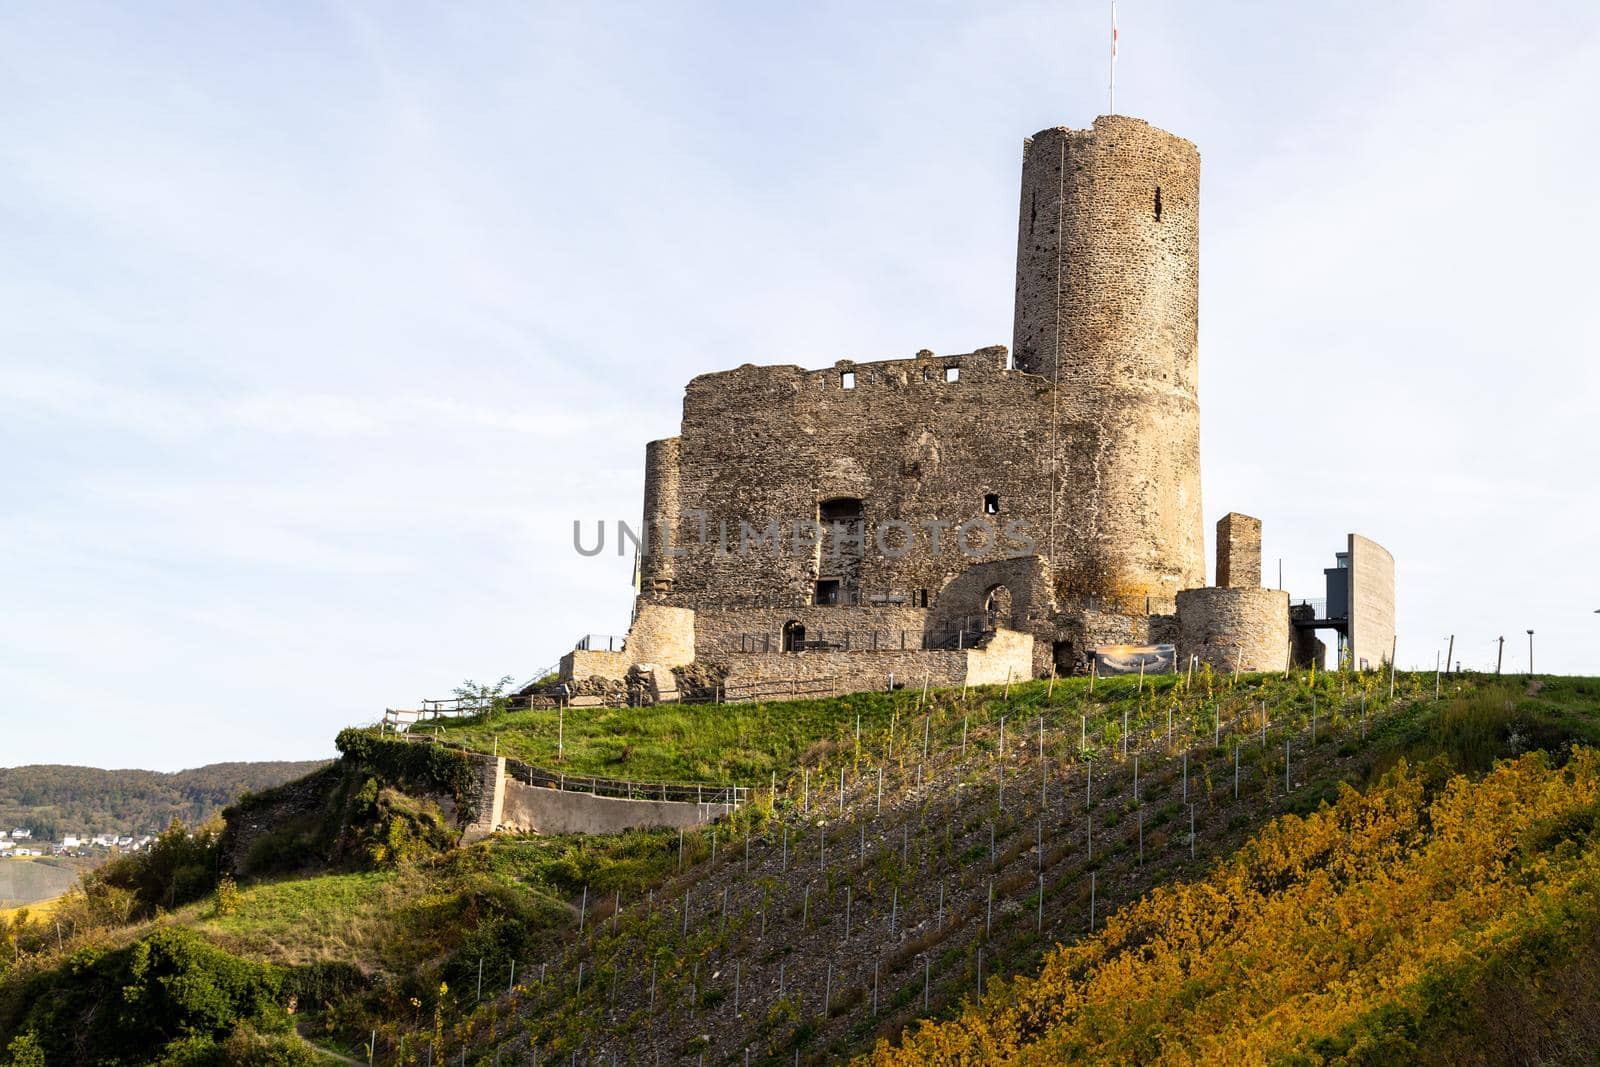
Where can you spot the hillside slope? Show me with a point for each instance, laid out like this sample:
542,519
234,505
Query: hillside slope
831,917
55,799
890,867
1388,927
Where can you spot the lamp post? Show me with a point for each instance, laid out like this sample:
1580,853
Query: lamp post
1530,653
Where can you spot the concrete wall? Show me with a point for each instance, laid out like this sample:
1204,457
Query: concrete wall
1007,656
540,809
1371,602
1247,628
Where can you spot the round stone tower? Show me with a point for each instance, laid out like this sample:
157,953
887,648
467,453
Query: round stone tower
1107,304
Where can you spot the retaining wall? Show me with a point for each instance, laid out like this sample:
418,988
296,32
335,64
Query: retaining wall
543,810
1006,652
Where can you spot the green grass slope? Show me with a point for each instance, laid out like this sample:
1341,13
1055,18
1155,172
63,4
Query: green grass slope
826,917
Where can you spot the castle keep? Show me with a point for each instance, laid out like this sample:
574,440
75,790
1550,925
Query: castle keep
973,517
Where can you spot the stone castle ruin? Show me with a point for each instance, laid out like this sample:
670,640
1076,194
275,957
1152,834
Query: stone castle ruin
973,518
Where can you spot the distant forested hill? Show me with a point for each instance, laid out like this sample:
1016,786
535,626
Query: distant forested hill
51,799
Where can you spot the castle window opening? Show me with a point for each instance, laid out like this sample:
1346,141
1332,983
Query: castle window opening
1158,203
794,636
991,503
848,379
952,374
840,509
828,592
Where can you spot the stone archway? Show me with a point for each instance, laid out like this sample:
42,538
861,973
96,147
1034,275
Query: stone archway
794,636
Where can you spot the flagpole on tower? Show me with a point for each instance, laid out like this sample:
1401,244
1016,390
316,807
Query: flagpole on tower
1113,87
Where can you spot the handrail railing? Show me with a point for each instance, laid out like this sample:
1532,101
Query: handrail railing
601,643
625,789
826,640
680,792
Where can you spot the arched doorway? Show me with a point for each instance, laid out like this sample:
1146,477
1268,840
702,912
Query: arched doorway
794,636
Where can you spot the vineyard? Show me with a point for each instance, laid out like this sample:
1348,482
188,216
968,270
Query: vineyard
1363,931
922,851
1346,867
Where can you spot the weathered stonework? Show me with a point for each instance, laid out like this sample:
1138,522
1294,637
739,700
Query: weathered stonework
662,635
1247,629
1108,266
847,522
582,664
1308,648
1005,655
487,797
1238,551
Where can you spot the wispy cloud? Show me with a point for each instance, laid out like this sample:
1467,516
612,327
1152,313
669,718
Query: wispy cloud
318,329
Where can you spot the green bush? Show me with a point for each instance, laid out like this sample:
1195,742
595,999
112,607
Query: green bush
178,867
431,768
170,986
390,828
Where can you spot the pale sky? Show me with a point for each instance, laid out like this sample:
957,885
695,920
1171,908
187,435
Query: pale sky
320,324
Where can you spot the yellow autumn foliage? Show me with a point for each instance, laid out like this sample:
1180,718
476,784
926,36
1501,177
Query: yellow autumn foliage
1330,938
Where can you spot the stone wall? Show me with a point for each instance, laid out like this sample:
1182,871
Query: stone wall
763,448
661,635
660,508
1307,648
719,634
1004,653
487,797
580,665
1030,602
1238,551
1229,628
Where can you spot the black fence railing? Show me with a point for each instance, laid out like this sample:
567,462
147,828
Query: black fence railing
623,789
601,643
677,792
820,640
844,598
1129,604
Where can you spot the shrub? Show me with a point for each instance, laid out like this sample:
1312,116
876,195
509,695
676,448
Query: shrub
178,867
227,899
430,768
171,985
